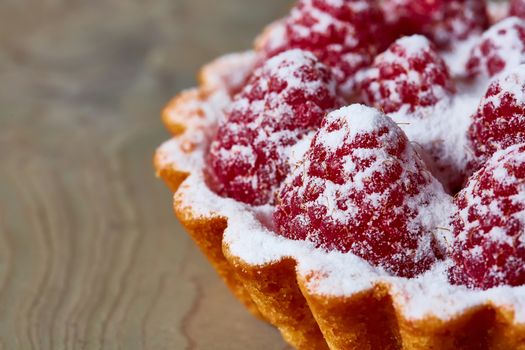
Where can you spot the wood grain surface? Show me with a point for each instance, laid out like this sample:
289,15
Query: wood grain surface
91,256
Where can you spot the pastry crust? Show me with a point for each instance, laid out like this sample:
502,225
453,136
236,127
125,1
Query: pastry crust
207,233
370,319
275,291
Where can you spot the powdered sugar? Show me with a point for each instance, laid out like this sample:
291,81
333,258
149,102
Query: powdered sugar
457,56
442,133
512,83
414,44
199,116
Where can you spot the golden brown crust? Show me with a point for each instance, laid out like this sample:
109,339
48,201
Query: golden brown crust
484,327
370,320
365,320
275,290
207,233
172,177
182,107
471,330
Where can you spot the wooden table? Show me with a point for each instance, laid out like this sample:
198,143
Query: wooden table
91,256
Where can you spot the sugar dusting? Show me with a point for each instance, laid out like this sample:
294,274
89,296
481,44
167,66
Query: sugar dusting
337,273
442,129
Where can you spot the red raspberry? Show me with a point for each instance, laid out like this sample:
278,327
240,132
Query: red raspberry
489,226
517,8
361,188
344,34
442,21
284,99
409,75
500,119
499,48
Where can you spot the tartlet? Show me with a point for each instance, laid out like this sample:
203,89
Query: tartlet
322,296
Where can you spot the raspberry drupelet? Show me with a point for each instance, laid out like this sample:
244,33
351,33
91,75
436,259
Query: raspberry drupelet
500,119
361,188
445,22
409,75
283,100
517,8
489,226
344,34
500,48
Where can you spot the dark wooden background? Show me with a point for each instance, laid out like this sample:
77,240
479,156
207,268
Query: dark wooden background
91,256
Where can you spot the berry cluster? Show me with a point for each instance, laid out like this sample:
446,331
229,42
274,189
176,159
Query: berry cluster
361,187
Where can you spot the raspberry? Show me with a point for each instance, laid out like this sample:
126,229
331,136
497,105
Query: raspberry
517,8
359,189
499,48
284,99
344,34
489,226
409,75
442,21
500,119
